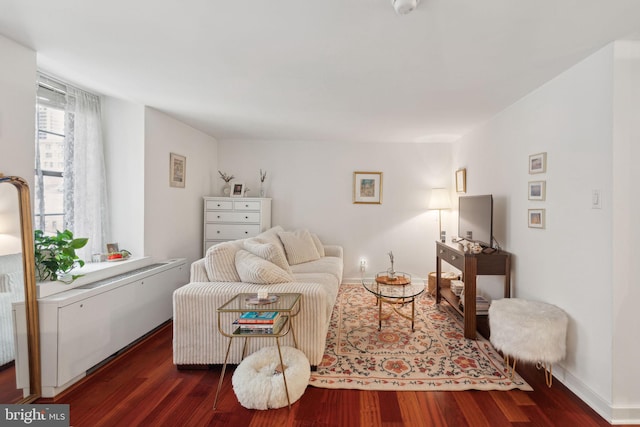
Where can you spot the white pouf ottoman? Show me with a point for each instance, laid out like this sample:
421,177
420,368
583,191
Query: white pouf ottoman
532,331
258,384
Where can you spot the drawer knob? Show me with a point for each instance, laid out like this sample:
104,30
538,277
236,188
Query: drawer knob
246,232
218,204
218,216
246,206
246,217
218,231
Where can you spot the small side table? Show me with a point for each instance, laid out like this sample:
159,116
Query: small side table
288,304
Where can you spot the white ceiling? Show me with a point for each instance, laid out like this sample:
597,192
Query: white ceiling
340,70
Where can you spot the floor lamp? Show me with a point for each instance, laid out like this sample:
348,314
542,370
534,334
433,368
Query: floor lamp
440,200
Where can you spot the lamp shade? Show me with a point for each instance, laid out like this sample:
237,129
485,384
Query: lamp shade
402,7
439,199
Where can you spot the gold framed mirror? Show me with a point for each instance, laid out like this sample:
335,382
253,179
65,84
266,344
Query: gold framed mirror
15,217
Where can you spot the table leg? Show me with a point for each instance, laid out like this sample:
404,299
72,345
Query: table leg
379,314
413,312
224,368
284,378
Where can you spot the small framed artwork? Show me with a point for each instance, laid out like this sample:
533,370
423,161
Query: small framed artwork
538,163
237,189
112,247
461,181
536,218
367,187
177,170
537,190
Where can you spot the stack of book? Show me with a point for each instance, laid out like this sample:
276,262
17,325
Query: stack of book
264,322
482,305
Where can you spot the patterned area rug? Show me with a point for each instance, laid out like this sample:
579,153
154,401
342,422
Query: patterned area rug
435,356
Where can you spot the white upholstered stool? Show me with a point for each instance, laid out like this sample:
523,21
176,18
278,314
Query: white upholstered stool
259,381
529,330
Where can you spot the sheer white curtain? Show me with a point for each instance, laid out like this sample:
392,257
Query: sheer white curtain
85,205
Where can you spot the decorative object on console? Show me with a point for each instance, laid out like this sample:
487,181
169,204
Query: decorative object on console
177,170
237,189
367,188
263,176
226,188
538,163
440,200
537,190
403,7
536,218
461,181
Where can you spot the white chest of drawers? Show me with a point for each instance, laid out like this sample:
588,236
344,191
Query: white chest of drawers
229,218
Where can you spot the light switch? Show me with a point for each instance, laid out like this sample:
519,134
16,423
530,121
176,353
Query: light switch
596,199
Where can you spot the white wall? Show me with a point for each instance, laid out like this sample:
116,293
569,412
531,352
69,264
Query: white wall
569,263
17,109
311,184
626,231
173,216
123,128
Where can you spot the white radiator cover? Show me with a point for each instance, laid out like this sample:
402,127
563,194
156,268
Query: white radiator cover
83,326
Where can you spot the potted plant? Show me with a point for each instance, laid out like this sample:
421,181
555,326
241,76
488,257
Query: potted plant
56,255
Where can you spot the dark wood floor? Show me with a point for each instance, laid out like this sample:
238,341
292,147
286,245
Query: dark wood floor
142,387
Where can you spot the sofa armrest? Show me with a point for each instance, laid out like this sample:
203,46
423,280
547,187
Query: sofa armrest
198,272
333,250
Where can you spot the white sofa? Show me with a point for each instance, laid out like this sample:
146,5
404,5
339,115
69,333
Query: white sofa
11,290
196,339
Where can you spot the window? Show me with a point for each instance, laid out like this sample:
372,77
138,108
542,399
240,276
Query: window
50,119
70,190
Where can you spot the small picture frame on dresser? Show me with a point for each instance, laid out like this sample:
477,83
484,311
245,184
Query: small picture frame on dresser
237,189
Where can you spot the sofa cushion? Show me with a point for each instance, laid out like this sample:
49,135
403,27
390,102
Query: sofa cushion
220,261
269,251
330,265
299,246
253,269
318,243
271,236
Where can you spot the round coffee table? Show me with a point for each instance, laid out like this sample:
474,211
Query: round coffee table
396,292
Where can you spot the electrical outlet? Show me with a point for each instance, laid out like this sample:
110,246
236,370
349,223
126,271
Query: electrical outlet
363,265
596,199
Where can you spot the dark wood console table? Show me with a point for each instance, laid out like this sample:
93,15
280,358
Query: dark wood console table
497,263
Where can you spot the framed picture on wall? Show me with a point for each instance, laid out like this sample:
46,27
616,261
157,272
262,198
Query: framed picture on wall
536,218
537,190
461,181
538,163
177,170
237,189
367,187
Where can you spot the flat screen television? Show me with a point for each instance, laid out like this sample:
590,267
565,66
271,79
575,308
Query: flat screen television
475,219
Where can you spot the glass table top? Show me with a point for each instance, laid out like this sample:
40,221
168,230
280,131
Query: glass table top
244,302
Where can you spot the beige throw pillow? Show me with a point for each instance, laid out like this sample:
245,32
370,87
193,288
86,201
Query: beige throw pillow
220,262
253,269
318,243
299,246
269,251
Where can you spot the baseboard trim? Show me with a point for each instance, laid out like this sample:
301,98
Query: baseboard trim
586,394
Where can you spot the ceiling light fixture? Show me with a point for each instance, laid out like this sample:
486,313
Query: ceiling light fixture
403,7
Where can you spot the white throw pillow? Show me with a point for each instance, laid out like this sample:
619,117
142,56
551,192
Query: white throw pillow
318,243
271,235
299,246
220,262
253,269
269,251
